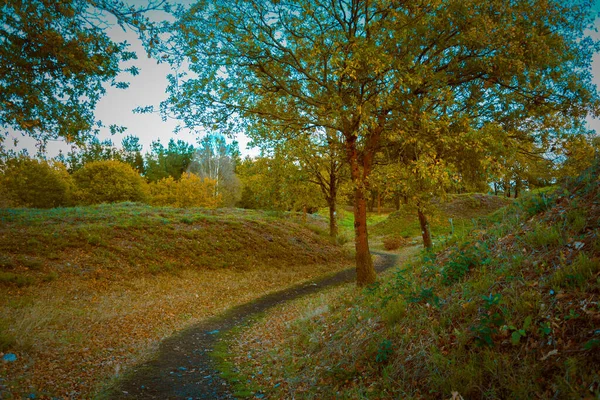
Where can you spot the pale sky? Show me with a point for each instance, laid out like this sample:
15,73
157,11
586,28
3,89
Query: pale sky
148,88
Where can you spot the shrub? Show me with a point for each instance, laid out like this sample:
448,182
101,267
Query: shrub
461,261
193,191
163,192
393,243
108,181
27,182
189,191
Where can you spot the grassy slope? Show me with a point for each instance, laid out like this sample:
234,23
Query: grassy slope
508,311
463,209
86,292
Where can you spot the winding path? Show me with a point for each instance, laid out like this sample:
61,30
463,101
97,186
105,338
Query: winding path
183,368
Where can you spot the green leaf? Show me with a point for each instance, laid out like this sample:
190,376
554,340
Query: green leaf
515,338
527,323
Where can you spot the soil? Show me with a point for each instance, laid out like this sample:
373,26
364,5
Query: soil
183,367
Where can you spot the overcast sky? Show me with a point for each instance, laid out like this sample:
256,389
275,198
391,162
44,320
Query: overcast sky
148,88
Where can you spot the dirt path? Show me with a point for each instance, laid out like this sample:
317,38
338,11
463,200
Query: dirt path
183,368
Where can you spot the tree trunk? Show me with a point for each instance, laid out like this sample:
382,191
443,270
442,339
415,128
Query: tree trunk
304,212
332,219
495,189
517,187
397,202
425,232
331,200
365,272
507,188
378,202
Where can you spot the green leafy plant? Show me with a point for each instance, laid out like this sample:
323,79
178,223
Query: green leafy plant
490,322
462,260
517,333
535,204
425,295
545,329
384,351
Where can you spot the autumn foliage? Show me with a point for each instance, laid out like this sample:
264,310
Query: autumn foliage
189,191
27,182
108,181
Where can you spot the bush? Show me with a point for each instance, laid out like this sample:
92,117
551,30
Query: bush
189,191
462,260
27,182
108,181
393,243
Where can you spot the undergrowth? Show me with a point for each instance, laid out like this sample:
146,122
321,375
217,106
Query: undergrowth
510,310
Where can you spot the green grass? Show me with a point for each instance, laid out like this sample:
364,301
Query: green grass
508,310
449,219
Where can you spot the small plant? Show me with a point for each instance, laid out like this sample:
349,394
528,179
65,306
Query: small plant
592,344
425,295
517,334
187,220
545,329
394,311
50,277
461,262
384,351
7,340
167,267
8,278
543,236
490,322
572,315
343,238
535,204
31,263
576,220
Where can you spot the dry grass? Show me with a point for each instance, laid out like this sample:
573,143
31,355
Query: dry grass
304,345
76,331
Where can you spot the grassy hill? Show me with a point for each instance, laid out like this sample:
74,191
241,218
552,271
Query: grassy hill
455,214
510,310
86,292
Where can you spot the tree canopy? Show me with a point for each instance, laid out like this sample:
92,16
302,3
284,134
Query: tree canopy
56,59
382,71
